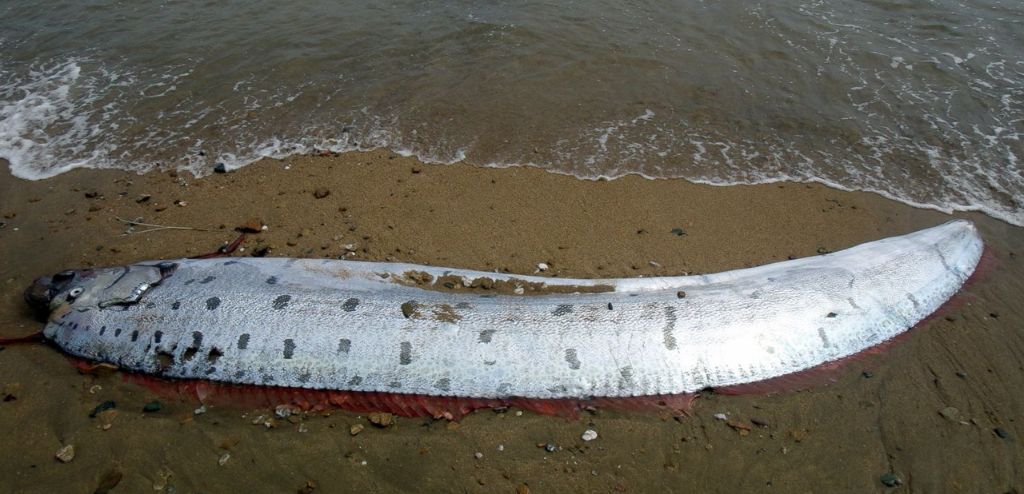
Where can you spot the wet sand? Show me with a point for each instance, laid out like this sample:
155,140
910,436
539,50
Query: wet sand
882,414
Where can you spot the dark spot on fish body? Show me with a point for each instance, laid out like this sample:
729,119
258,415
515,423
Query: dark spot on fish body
239,374
117,332
355,381
212,303
572,359
503,389
344,345
189,282
625,377
562,310
229,263
164,360
207,279
410,309
670,326
394,384
405,355
490,362
157,336
135,335
289,348
197,339
190,353
176,305
281,302
214,355
272,280
350,305
463,305
443,384
824,338
486,335
305,377
243,341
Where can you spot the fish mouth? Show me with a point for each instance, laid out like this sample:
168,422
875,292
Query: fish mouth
39,294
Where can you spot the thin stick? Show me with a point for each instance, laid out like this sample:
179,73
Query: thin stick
155,227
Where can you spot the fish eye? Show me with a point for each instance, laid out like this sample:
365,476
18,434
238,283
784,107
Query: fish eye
74,292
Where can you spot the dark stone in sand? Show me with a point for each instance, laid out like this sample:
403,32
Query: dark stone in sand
220,168
106,405
758,421
823,251
890,480
321,193
679,232
550,448
153,406
867,375
92,194
1001,433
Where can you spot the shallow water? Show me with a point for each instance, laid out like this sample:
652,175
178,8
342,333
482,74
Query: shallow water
920,101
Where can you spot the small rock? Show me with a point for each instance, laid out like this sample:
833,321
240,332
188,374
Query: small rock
823,251
501,447
721,416
143,198
550,448
106,405
522,489
542,266
654,264
220,168
961,374
890,480
252,225
867,375
355,429
153,406
66,454
199,411
321,193
679,232
416,170
285,411
589,435
478,455
758,421
950,413
92,194
180,203
381,419
1001,433
223,460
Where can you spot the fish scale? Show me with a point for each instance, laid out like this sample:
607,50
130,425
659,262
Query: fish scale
363,326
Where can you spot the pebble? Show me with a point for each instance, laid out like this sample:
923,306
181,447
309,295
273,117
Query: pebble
758,421
220,168
589,435
478,455
1001,433
679,232
542,266
721,416
381,419
950,413
106,405
143,198
550,448
654,264
285,411
223,460
153,406
321,193
66,454
890,480
501,447
355,429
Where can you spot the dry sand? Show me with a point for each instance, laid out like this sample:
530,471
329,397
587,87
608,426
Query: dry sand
881,416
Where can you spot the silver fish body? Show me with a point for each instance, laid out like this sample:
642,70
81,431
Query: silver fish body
361,326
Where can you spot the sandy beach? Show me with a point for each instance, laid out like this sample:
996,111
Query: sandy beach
881,416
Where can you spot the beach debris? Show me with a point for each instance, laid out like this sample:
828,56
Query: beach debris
180,203
542,266
303,428
143,198
589,435
999,431
91,194
355,429
550,447
381,419
220,168
153,406
199,411
321,192
758,421
654,264
679,232
223,460
478,455
823,251
66,453
501,447
151,227
106,405
721,416
950,413
251,225
890,480
286,411
522,489
867,375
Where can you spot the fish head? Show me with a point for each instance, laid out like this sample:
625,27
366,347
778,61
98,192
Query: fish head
94,287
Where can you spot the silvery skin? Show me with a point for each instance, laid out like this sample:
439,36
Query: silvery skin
362,326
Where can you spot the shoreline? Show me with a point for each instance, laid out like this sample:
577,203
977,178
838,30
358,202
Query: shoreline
383,207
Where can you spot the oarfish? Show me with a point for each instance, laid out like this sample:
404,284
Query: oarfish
368,327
